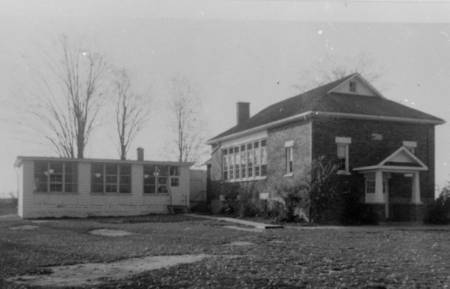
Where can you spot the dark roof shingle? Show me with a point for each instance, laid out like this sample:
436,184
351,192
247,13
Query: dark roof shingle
319,100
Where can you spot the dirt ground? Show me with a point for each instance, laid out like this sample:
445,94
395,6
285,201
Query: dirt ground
294,257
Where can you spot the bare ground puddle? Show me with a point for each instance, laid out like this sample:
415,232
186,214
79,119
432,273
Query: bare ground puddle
96,273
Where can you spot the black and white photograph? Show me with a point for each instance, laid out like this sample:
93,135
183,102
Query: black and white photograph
225,144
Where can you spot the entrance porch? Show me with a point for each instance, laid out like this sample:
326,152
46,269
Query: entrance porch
392,187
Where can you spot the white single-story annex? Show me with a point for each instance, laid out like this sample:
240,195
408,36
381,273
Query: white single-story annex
62,187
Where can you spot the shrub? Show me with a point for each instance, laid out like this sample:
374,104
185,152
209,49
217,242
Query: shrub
290,202
439,211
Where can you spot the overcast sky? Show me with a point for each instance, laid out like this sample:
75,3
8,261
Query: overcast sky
230,51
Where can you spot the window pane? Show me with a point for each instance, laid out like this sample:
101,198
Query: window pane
56,178
97,168
71,188
41,176
263,170
110,188
125,180
174,182
149,169
125,188
40,167
111,169
56,187
162,189
163,170
111,179
162,180
125,170
56,167
97,187
149,189
41,184
174,171
149,179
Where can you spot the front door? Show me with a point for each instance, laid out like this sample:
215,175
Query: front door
400,190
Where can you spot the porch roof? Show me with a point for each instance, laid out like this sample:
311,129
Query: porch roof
400,160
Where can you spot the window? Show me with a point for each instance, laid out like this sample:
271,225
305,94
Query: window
352,86
289,157
257,158
410,145
149,179
263,158
370,183
163,180
174,173
156,178
250,159
231,163
245,161
237,164
225,164
174,182
342,144
110,178
55,176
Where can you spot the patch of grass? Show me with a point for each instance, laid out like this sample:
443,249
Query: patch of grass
8,206
288,258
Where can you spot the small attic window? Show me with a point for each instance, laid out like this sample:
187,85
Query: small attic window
352,86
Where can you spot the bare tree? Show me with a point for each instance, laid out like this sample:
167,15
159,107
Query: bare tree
69,108
184,105
332,68
131,112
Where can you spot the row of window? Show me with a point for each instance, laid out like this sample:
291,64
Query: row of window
245,161
57,176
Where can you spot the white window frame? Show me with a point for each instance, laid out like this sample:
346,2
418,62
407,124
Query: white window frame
244,158
369,179
289,158
410,145
344,141
49,172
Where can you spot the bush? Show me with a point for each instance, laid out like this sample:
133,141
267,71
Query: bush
439,211
290,202
354,212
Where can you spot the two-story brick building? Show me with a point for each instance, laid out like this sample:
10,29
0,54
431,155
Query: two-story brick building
385,146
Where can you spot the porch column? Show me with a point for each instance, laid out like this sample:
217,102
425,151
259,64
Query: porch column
379,198
416,188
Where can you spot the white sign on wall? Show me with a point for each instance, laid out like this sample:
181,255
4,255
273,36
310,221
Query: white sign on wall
263,196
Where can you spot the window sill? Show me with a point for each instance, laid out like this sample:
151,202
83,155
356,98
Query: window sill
344,173
55,193
247,179
155,194
288,175
110,194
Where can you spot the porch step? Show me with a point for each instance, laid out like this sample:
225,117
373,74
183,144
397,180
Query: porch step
177,209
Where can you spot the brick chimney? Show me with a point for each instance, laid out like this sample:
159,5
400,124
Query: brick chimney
140,154
242,111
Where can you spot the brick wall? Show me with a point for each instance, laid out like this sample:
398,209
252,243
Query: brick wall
300,134
364,151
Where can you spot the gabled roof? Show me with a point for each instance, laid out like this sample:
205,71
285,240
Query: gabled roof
323,100
401,159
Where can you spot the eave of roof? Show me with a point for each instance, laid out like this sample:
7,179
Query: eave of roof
20,159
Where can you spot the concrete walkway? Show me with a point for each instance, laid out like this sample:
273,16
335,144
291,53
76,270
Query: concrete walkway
256,225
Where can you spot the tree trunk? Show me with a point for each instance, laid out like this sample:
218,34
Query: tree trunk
123,152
